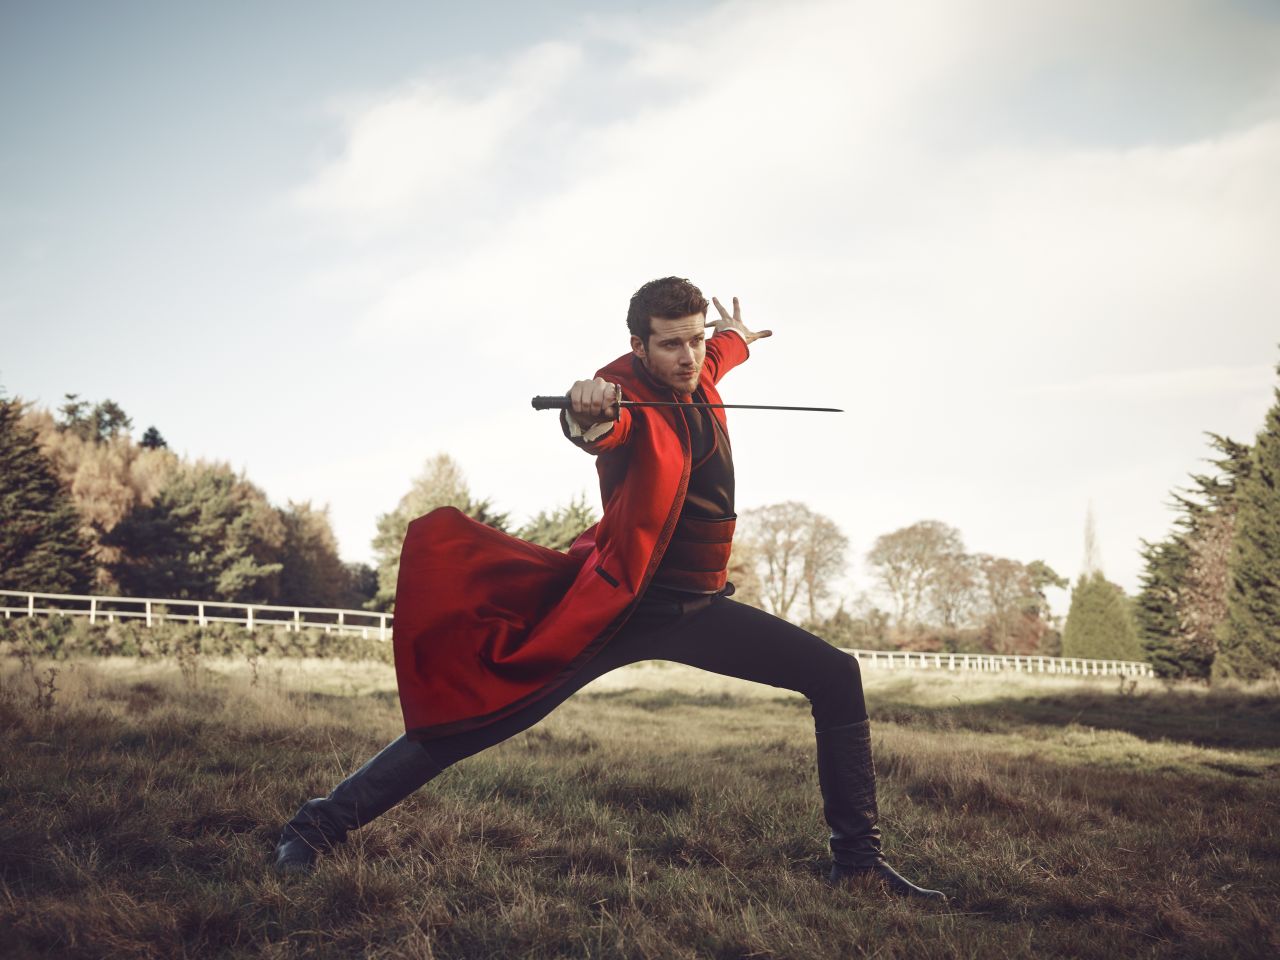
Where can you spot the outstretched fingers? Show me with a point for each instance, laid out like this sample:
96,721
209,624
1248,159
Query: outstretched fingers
724,314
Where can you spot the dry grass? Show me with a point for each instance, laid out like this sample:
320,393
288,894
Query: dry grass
661,812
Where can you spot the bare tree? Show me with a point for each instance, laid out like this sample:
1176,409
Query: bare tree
907,561
1004,587
823,560
791,549
953,591
744,571
1015,610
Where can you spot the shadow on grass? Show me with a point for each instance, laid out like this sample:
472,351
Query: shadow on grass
1218,718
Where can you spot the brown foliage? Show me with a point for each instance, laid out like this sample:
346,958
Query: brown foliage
107,480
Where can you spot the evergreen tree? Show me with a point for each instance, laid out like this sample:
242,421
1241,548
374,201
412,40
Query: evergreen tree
313,574
41,545
441,484
1100,622
151,440
362,586
107,477
1182,606
1250,645
1157,611
208,534
558,528
104,422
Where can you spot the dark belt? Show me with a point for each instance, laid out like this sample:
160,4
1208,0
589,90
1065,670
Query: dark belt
663,601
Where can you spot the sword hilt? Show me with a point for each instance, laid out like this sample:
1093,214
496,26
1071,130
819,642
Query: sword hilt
551,403
564,403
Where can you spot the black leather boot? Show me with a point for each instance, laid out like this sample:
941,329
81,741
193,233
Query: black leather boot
847,778
396,771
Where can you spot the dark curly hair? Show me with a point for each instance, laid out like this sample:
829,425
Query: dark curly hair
669,298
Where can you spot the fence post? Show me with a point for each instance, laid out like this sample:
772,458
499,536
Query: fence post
31,604
93,609
297,620
250,609
148,613
342,620
382,626
200,611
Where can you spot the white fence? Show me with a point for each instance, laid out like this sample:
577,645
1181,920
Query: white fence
367,623
1024,663
154,610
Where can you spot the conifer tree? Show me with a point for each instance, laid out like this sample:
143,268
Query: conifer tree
1250,645
314,574
1182,606
558,528
152,440
208,534
41,545
1157,610
1100,623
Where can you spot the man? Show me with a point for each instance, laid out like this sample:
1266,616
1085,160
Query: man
492,633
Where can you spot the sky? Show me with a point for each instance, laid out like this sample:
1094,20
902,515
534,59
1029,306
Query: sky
1028,247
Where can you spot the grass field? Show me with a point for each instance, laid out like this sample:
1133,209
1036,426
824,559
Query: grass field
661,812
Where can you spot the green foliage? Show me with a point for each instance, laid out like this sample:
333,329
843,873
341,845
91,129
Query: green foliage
41,545
362,586
559,527
867,630
1100,622
208,533
62,638
104,421
440,484
151,440
1251,638
1182,605
313,574
1157,611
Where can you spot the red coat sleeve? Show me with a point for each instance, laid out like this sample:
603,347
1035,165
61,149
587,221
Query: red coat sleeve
610,441
724,352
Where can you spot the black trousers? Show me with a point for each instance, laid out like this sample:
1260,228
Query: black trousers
725,637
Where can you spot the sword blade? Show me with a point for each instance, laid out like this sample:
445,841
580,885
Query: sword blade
562,403
725,406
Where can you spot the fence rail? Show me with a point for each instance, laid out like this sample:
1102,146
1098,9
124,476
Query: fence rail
1024,663
155,610
368,623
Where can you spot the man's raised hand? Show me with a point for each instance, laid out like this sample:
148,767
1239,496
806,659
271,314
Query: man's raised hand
592,401
734,322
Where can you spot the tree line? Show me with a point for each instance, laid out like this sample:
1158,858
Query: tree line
1209,606
940,596
85,508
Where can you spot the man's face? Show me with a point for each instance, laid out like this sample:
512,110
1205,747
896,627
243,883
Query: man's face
675,351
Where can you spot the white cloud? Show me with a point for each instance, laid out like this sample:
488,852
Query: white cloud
414,145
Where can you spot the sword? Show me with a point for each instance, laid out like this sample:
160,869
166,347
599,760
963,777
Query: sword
563,403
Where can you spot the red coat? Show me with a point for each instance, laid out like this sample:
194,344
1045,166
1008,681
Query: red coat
486,623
